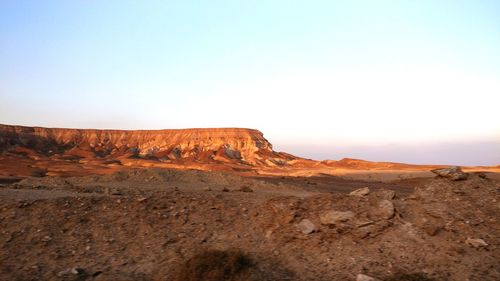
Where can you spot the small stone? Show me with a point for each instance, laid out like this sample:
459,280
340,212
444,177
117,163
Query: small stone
76,271
142,199
207,188
269,234
476,243
334,217
360,192
362,277
306,226
225,189
46,238
453,173
72,271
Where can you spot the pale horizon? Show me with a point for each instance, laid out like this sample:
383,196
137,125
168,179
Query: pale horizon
387,81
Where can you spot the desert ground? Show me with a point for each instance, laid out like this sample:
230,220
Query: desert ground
221,204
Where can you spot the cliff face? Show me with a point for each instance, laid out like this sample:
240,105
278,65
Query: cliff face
244,146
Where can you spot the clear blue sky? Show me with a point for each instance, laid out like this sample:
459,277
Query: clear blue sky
409,81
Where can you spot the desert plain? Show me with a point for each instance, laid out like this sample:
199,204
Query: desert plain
221,204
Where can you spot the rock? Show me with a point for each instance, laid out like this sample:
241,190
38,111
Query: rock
77,271
362,277
225,189
207,188
334,217
476,243
306,226
47,238
384,209
453,173
386,194
72,271
360,192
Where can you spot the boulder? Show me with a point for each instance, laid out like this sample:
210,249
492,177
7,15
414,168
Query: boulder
334,217
360,192
384,209
306,226
453,173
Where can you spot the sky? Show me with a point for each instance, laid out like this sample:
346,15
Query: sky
403,81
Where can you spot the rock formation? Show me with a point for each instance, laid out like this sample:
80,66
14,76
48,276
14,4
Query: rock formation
236,145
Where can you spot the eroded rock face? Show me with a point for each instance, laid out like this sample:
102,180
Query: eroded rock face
221,144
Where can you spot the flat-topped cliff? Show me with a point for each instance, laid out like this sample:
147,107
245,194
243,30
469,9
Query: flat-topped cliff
245,146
